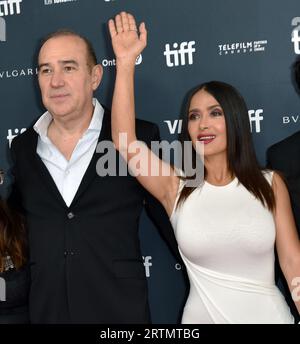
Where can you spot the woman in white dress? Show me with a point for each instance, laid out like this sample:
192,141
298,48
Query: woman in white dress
227,226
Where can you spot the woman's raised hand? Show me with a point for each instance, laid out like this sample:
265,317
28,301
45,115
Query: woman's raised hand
128,41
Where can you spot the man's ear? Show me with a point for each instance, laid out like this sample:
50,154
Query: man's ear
97,73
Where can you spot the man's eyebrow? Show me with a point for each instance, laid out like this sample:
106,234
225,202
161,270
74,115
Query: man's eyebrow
68,62
43,65
63,62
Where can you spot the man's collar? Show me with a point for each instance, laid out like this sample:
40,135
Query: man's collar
42,124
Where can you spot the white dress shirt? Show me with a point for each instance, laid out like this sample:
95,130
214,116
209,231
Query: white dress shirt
67,175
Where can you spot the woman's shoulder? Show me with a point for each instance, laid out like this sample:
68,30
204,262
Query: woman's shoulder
273,176
268,174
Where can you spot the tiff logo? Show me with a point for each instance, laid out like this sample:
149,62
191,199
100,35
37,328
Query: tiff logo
255,116
2,30
2,289
147,265
10,135
295,34
8,7
185,49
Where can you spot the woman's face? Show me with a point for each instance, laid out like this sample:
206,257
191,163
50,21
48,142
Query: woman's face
206,124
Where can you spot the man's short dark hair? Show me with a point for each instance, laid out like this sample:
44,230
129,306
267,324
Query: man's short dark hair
91,55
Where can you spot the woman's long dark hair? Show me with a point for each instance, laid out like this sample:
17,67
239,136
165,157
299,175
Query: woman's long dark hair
12,237
242,161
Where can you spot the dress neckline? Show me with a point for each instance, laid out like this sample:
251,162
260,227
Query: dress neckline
232,182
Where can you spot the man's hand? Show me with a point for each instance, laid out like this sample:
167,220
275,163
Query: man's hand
127,41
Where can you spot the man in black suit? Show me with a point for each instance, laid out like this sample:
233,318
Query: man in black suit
284,157
86,262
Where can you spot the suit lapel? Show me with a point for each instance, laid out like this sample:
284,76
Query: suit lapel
91,172
41,169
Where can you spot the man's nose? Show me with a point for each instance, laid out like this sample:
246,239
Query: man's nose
57,79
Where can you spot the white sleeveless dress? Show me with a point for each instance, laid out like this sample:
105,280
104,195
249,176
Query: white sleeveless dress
226,239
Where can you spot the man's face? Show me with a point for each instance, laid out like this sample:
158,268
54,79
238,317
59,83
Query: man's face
66,80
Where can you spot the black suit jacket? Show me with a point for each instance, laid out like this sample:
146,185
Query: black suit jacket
284,157
86,264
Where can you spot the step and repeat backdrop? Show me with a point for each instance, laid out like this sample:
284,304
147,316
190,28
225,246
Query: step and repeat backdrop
250,44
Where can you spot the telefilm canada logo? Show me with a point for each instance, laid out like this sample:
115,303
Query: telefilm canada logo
296,34
8,8
57,2
246,47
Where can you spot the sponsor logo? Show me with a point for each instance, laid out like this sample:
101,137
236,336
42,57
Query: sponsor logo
255,117
18,72
242,47
110,63
290,119
7,8
56,2
147,264
180,54
10,7
11,136
295,34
